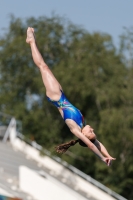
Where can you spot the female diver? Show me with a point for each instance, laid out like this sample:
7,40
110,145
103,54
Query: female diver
71,115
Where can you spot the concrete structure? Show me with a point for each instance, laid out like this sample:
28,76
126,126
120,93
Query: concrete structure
70,178
45,187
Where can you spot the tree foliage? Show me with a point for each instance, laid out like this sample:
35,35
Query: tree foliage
95,78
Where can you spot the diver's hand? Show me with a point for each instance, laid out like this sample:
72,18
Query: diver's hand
108,160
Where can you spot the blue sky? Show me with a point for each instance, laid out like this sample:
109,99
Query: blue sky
106,16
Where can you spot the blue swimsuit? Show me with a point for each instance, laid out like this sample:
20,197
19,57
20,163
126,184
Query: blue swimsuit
69,111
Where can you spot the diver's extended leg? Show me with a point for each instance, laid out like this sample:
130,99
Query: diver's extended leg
50,82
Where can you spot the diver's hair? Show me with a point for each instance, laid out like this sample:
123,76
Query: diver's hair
62,148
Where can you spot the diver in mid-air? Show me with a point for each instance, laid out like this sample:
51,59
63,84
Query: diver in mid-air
71,115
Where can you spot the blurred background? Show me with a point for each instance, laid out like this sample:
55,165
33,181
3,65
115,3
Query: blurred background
89,48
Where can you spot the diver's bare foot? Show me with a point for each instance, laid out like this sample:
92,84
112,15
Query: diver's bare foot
30,35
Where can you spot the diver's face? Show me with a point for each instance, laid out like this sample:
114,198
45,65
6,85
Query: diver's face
88,131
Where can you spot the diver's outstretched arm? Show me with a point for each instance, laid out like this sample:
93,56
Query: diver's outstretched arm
91,146
74,128
102,149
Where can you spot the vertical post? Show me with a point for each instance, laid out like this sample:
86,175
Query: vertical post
11,131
